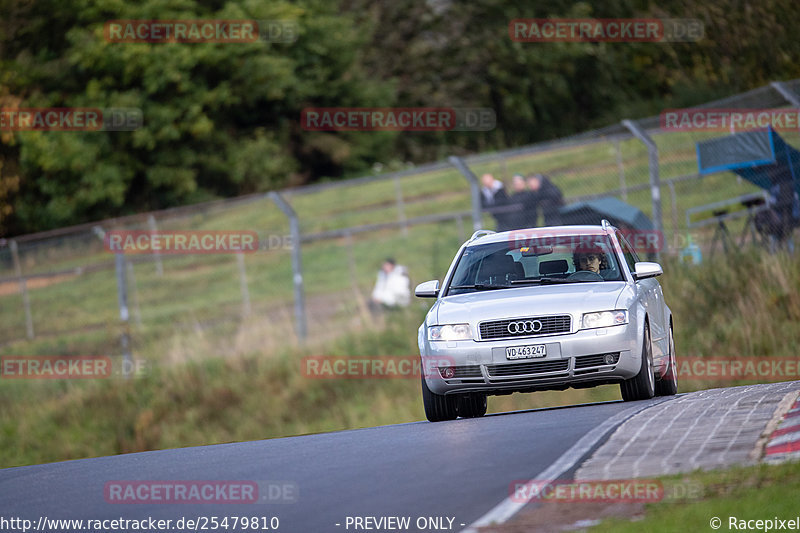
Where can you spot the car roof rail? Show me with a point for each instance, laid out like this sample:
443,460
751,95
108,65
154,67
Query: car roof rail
606,224
481,233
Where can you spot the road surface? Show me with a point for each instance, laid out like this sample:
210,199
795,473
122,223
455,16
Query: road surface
451,471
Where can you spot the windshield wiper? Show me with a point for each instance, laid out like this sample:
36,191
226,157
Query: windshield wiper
539,281
479,287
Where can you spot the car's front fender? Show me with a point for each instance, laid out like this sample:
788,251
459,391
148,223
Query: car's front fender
631,299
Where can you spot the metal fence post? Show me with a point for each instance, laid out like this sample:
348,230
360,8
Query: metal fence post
122,287
477,220
297,267
655,182
621,167
151,221
122,297
137,312
674,207
23,288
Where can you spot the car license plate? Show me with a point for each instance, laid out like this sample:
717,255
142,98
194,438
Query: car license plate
526,352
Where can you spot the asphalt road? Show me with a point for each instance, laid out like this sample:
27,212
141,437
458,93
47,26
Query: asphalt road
459,469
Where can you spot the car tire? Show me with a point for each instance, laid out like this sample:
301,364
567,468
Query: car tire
642,385
668,384
438,407
472,405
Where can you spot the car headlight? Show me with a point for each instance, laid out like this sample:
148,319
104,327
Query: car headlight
604,319
450,332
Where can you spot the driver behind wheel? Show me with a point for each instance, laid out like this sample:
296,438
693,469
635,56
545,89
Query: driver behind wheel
592,259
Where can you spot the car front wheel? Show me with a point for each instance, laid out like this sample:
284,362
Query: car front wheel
438,407
668,384
642,385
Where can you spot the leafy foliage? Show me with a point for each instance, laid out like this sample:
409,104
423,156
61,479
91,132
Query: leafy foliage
224,119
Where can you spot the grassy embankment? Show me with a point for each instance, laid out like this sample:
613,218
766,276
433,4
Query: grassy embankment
744,493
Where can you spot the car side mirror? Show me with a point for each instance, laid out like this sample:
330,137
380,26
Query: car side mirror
427,289
646,269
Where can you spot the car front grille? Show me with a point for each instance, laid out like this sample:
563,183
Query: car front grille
586,361
538,367
498,329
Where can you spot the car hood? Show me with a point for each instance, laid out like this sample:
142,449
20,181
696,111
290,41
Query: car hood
572,298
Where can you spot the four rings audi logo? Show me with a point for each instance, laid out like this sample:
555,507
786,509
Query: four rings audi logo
524,326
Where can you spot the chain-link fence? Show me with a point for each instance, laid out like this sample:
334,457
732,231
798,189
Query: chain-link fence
64,292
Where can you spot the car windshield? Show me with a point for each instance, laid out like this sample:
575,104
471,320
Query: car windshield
539,261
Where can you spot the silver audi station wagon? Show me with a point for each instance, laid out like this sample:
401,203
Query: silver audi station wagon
544,309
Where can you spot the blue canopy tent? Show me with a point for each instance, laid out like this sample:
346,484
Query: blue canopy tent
614,210
763,158
635,225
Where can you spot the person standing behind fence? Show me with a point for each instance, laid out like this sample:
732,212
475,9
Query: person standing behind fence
494,199
549,197
524,205
392,288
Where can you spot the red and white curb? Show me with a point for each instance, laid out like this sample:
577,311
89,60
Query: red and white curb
784,442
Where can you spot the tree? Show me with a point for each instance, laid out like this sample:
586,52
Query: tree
219,119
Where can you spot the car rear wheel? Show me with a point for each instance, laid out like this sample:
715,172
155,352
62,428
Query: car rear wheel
642,385
472,405
438,407
668,384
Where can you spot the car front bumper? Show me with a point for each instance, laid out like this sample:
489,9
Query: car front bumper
572,360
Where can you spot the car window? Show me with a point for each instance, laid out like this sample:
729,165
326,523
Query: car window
549,260
628,252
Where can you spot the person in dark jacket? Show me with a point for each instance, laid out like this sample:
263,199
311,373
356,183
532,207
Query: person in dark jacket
549,197
525,204
494,200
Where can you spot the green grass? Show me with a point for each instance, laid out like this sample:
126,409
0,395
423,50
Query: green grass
753,493
739,305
